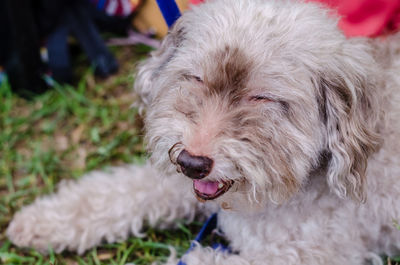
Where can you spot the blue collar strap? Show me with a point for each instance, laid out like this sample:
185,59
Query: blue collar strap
209,226
170,11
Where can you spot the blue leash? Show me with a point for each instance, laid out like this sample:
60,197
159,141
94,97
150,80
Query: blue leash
169,10
209,226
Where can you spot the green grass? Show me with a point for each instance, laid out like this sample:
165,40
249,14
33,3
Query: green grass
61,135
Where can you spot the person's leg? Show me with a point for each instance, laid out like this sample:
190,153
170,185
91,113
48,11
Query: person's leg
20,48
59,60
82,26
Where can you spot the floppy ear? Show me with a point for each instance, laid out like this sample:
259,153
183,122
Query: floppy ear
149,70
349,96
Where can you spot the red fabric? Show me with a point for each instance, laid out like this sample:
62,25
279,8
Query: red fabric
363,17
195,2
366,17
117,7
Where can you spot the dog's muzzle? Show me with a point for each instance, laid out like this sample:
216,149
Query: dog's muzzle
197,168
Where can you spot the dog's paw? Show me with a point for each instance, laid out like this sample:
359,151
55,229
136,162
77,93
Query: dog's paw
32,228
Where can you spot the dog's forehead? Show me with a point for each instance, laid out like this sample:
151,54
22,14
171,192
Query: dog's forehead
226,69
261,28
233,45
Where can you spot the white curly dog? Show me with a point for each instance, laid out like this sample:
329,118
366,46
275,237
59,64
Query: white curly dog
268,113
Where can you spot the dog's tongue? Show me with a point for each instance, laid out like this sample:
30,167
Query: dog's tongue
206,187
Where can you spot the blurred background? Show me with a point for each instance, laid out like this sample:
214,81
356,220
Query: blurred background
66,76
41,38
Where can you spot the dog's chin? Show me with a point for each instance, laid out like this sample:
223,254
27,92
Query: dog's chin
210,190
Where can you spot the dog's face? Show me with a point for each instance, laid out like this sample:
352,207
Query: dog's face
251,97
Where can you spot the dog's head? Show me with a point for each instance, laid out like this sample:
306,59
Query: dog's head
254,96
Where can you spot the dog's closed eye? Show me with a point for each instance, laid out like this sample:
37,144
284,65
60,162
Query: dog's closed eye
191,77
261,98
268,99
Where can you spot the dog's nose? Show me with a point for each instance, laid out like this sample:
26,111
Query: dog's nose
195,167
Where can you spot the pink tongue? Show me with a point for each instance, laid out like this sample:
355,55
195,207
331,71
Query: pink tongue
206,187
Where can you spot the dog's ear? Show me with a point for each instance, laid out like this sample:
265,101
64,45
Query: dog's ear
150,69
349,99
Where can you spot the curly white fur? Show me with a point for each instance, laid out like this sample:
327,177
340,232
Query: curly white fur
303,121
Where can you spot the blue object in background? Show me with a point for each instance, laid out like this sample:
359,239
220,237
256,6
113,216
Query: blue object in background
101,4
169,10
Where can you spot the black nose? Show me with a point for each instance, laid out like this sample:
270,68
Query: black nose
195,167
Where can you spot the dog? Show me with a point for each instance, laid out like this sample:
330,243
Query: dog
265,112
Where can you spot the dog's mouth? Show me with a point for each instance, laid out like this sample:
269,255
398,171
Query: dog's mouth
210,190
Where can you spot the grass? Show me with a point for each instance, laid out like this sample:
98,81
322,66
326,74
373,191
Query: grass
61,135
